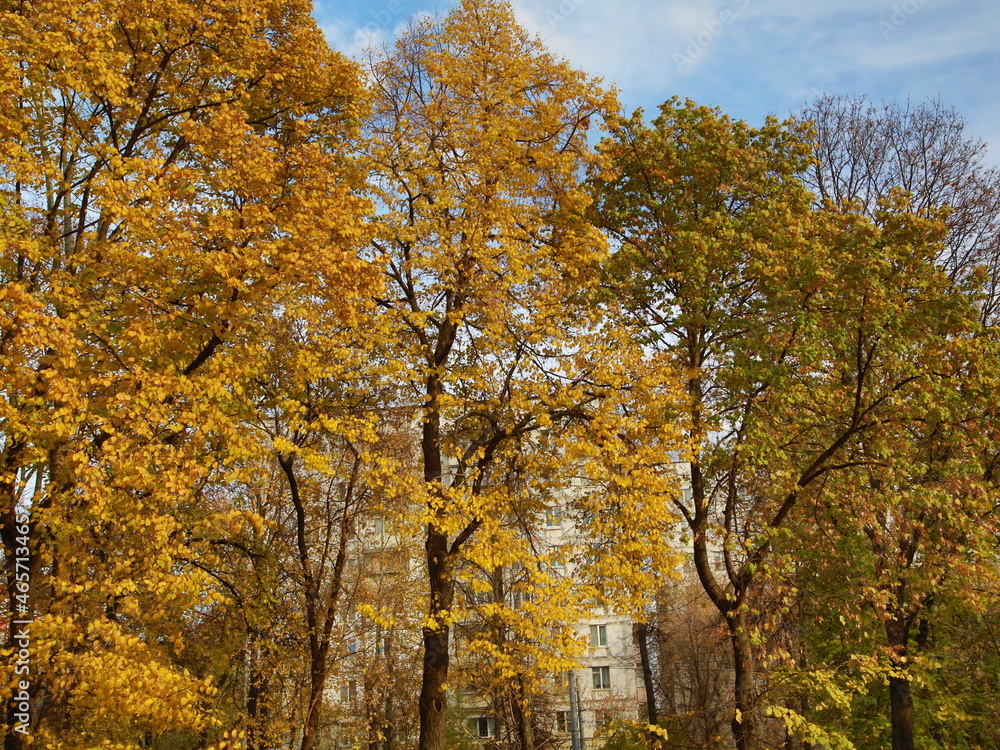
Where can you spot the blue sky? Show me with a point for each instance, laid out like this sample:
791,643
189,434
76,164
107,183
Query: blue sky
749,57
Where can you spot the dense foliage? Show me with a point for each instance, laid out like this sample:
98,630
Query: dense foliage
300,358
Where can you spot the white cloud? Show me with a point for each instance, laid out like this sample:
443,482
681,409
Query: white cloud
355,40
931,41
351,40
750,57
645,44
633,42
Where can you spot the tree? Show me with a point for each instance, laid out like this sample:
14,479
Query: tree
924,511
321,431
863,152
172,178
800,330
690,664
476,146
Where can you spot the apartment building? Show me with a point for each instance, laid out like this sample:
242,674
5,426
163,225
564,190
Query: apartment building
574,708
606,685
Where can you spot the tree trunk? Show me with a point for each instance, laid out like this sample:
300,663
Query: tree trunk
375,719
640,632
743,678
901,702
520,705
433,700
256,691
317,682
728,605
319,612
897,632
378,696
389,717
804,702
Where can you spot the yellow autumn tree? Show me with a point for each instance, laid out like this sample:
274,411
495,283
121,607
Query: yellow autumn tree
171,180
476,147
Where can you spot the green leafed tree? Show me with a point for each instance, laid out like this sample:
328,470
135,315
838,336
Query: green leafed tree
803,333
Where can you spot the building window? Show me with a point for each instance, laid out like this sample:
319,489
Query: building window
349,691
483,726
553,517
346,615
602,677
385,562
718,559
598,635
563,722
382,646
